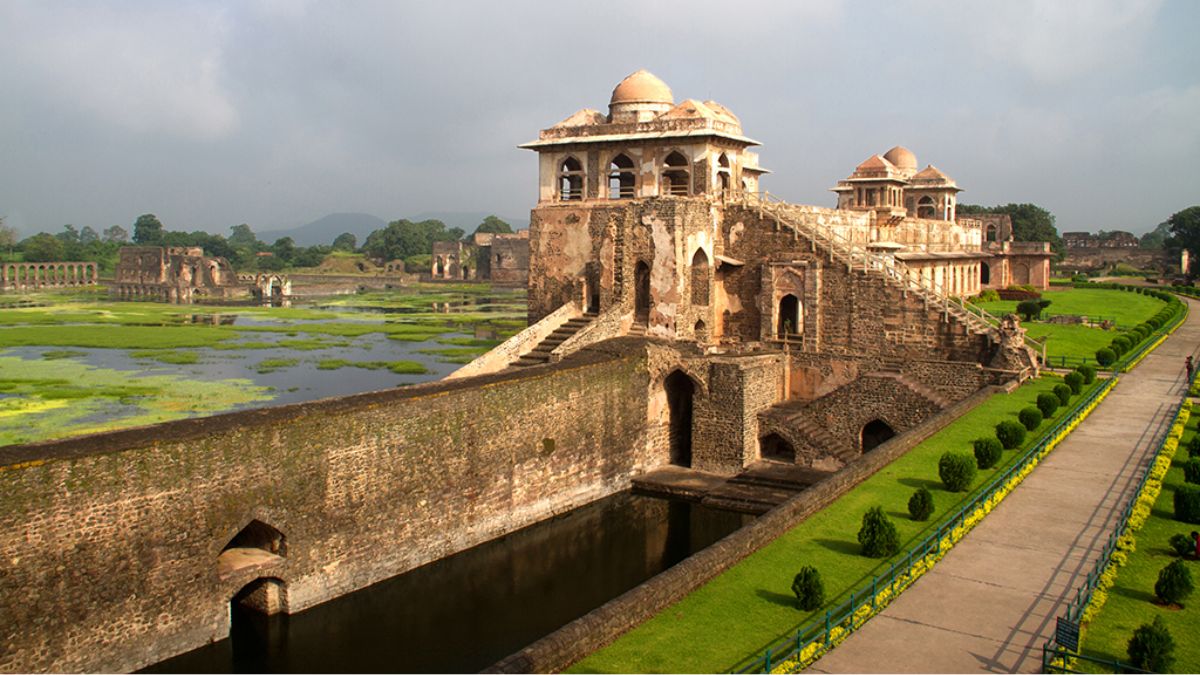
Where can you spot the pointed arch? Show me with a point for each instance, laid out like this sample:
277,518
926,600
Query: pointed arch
570,179
622,177
925,207
677,175
680,390
790,318
776,447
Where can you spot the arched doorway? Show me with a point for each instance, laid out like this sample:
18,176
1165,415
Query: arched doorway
641,293
680,390
257,545
985,274
789,317
925,207
776,447
676,176
700,291
874,434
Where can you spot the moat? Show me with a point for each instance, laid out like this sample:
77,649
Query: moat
465,612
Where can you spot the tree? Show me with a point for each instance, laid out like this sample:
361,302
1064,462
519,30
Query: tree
403,238
878,535
116,235
1030,222
345,242
1157,238
88,235
284,248
8,236
1185,232
1152,648
147,230
494,225
43,247
243,238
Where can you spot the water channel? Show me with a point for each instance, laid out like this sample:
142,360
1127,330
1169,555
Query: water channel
465,612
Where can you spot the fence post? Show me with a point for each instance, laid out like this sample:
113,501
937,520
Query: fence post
827,626
768,661
873,593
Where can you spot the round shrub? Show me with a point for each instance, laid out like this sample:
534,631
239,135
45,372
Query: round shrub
988,450
1088,373
957,470
1063,392
1151,648
878,535
1187,504
1120,344
1182,545
1075,382
810,592
1030,417
1191,470
1011,434
1174,583
1105,357
920,505
1047,403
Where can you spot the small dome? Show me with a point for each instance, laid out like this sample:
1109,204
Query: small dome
642,87
901,157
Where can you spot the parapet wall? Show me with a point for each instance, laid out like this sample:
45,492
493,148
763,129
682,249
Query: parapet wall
109,543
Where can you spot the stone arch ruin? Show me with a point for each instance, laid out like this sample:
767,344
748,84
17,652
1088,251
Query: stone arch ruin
875,433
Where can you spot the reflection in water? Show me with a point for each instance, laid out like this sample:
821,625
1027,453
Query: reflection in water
465,612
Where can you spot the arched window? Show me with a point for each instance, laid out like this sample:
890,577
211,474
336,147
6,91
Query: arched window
724,175
925,207
789,319
700,330
985,274
676,176
622,180
570,180
991,234
700,278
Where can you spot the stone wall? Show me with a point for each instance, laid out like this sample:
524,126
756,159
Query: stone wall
557,651
34,275
109,543
510,258
1088,259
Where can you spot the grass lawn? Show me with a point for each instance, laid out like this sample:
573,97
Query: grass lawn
1125,308
730,619
1076,341
1131,599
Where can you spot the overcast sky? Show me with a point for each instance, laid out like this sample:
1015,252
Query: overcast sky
275,113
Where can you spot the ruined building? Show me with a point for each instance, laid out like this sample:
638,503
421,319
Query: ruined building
499,258
681,324
183,275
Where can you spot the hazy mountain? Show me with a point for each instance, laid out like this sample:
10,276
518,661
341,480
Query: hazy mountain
325,230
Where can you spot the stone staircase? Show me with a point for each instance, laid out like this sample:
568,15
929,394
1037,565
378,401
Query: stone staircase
793,415
894,272
541,353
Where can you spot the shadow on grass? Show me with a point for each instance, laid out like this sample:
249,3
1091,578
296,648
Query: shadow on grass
781,599
839,546
1133,594
926,483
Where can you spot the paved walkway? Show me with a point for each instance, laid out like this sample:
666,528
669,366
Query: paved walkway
991,603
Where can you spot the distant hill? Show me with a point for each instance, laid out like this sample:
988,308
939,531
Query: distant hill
325,230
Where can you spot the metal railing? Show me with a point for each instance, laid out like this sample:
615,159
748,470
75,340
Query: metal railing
1052,651
846,617
857,256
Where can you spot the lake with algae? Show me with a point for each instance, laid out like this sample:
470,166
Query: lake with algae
78,362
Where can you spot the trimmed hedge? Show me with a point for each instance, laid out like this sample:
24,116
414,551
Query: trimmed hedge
957,470
1088,373
1074,381
1174,583
1063,392
1105,357
1047,403
1011,434
1030,417
920,505
1187,504
810,592
1191,470
988,450
878,535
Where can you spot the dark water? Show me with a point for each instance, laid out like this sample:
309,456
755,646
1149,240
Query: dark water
465,612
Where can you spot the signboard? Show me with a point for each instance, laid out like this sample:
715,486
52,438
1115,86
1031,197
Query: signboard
1067,634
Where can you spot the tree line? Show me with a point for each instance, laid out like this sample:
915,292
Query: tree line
398,240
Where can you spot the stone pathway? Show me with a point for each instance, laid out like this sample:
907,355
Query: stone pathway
991,603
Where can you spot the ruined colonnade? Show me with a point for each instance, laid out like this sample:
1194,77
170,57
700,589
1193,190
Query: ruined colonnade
24,276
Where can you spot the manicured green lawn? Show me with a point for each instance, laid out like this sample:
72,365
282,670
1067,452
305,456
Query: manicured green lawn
1131,599
729,620
1076,341
1125,308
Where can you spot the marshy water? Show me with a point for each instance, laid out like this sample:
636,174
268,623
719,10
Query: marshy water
465,612
77,364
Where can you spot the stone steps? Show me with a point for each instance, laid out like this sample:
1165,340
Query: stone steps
541,353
